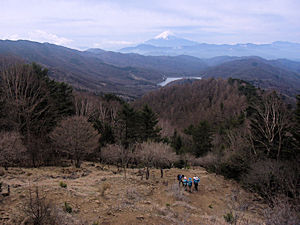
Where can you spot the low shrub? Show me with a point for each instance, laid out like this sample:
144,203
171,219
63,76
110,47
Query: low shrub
282,212
271,177
209,160
68,208
177,193
229,218
62,184
179,164
38,209
232,165
133,194
2,172
104,187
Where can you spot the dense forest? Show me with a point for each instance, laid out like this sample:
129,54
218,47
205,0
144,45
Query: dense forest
234,129
260,73
227,126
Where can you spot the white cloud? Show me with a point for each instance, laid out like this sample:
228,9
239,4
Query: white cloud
39,36
43,36
12,37
120,42
106,22
112,44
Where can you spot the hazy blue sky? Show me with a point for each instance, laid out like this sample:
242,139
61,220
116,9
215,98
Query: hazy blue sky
112,24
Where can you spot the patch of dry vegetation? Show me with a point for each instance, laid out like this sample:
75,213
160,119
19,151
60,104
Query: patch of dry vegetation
103,197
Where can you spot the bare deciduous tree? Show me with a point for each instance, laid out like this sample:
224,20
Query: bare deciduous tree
145,154
11,148
117,154
282,212
164,156
270,124
153,154
38,209
237,207
188,159
84,104
94,107
270,177
167,128
75,136
25,97
237,139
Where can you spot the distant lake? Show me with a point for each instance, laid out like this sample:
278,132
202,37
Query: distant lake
171,79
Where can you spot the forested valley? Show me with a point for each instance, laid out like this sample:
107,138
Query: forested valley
229,127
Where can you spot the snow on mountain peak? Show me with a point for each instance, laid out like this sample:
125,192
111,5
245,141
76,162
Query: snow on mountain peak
164,35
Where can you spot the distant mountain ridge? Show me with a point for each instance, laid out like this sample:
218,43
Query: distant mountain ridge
83,71
170,45
132,75
182,65
168,39
281,74
261,73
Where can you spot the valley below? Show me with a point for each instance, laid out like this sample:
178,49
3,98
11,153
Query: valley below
171,79
131,75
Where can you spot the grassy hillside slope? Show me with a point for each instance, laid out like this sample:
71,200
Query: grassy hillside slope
130,200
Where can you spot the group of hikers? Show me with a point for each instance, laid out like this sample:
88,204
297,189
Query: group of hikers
187,183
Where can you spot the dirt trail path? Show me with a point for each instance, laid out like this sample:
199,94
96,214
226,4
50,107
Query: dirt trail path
131,200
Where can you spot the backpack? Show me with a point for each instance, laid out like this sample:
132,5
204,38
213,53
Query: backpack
190,183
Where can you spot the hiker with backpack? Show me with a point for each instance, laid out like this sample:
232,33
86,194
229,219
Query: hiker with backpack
184,182
179,178
190,184
196,182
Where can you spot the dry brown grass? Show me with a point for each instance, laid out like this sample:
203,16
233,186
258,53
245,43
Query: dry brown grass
103,188
125,201
177,192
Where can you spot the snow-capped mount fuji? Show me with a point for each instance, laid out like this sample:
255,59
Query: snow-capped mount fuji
164,35
168,39
167,44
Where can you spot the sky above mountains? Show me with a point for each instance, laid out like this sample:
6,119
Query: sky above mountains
113,24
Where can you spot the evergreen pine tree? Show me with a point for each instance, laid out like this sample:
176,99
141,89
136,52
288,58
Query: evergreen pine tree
107,135
148,125
202,138
128,125
176,142
106,131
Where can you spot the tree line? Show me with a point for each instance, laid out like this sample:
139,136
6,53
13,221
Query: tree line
236,130
227,126
43,122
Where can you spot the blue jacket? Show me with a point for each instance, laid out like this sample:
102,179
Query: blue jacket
196,181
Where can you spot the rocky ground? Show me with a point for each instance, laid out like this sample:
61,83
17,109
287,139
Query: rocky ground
99,194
